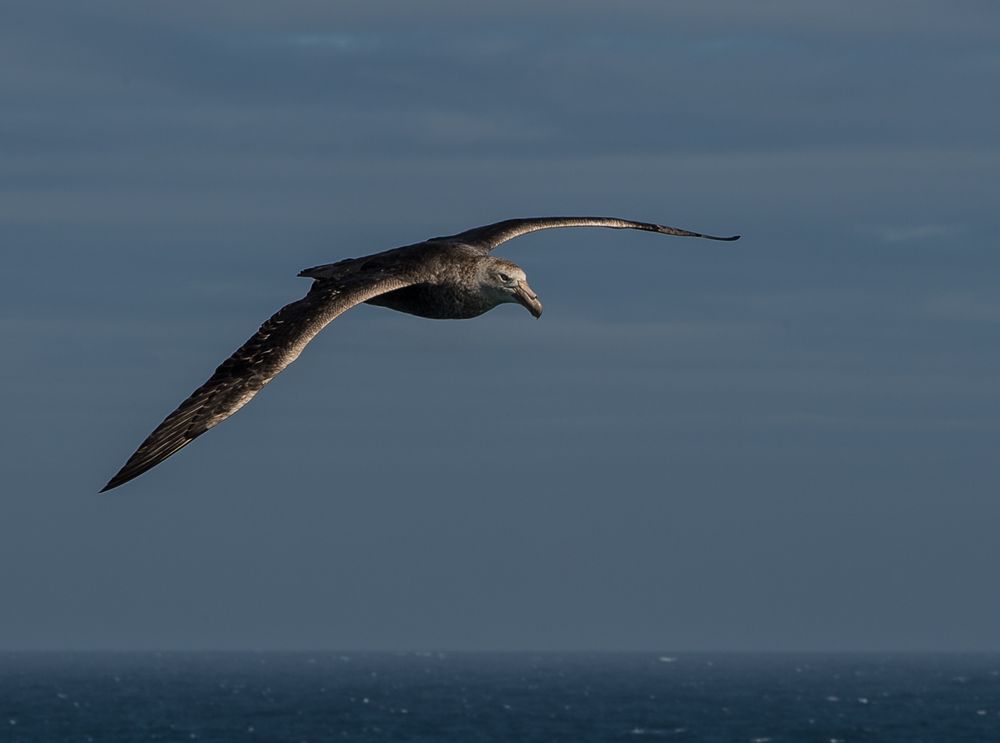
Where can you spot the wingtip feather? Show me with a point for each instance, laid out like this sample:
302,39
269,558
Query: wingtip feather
143,460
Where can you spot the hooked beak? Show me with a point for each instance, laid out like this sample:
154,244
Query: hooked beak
526,296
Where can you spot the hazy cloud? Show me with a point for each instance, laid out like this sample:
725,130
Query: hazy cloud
688,423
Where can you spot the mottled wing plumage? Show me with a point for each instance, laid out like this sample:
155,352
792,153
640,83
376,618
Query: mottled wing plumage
491,236
277,343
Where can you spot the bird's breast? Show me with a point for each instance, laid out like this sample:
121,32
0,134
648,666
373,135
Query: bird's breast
436,301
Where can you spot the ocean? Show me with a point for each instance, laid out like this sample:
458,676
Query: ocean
443,697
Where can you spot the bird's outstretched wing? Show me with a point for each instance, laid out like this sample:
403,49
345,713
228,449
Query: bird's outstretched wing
492,236
277,344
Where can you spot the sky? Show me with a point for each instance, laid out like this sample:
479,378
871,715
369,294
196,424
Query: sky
785,443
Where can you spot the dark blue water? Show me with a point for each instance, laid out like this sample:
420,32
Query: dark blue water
51,698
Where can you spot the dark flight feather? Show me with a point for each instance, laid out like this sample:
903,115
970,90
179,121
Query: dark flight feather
277,343
492,236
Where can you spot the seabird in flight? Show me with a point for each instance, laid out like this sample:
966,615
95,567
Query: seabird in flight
452,277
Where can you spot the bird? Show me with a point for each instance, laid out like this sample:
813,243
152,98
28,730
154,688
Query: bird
451,277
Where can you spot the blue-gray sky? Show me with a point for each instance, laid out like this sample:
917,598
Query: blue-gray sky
784,443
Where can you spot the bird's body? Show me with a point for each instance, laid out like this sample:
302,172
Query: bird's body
448,289
453,277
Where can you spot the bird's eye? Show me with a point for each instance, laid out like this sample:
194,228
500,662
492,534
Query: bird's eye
504,278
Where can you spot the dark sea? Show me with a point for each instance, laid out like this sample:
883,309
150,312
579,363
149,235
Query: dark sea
54,697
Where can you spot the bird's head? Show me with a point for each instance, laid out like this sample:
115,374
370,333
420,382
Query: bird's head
504,281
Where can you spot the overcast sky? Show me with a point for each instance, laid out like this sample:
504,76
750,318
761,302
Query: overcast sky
784,443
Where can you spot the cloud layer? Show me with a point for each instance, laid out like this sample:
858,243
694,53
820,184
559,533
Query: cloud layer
782,443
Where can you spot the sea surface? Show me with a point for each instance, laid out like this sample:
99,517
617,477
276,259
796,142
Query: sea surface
290,697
